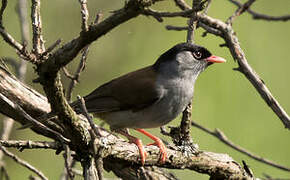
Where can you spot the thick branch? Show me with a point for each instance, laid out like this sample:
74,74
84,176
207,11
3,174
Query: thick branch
216,165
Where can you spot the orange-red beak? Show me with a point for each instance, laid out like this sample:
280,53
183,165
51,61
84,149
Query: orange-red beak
215,59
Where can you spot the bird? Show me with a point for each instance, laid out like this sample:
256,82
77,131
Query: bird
151,96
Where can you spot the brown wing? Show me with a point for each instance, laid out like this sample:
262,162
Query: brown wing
135,90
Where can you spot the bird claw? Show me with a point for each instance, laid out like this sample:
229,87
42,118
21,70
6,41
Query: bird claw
162,150
141,149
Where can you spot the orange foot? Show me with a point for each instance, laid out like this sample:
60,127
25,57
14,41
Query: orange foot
136,141
157,142
140,146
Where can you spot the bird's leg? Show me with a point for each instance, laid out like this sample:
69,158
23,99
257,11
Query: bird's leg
158,142
138,142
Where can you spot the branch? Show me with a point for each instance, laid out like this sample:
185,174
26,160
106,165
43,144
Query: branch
31,144
222,137
76,76
23,163
37,41
213,164
260,16
240,11
6,36
85,14
234,46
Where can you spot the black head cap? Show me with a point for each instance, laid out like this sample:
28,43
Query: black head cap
171,53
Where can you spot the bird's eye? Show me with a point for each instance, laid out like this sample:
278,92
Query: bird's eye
197,54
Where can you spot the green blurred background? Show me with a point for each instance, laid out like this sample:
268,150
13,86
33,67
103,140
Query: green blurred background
223,98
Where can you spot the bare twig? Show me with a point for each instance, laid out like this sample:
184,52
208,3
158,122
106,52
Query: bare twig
75,77
37,40
260,16
98,18
23,163
6,36
159,14
67,74
85,14
68,166
30,144
182,4
98,155
95,131
176,28
207,7
222,137
240,11
68,161
89,118
51,47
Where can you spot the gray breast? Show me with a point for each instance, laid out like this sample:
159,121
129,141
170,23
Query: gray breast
175,95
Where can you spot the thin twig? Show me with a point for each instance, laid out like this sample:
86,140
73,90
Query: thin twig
6,36
260,16
75,77
37,40
94,132
85,14
207,6
67,73
98,155
69,164
176,28
182,4
240,11
160,14
222,137
51,47
67,161
89,118
30,144
98,18
23,163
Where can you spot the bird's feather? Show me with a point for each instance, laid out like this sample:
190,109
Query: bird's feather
133,91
